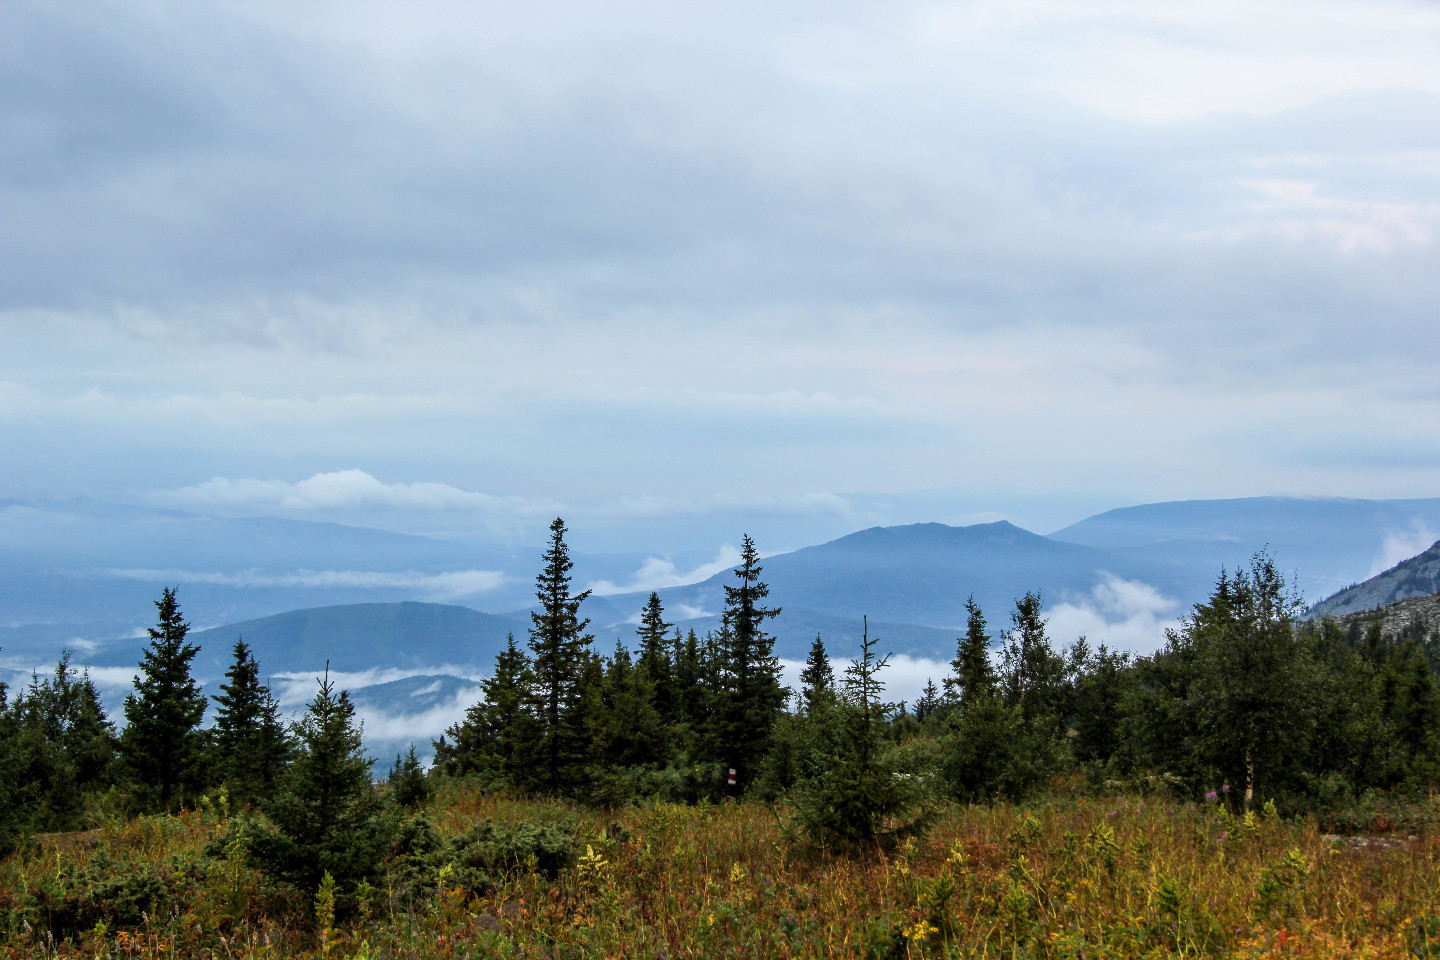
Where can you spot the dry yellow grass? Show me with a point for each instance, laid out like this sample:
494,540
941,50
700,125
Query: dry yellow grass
1071,878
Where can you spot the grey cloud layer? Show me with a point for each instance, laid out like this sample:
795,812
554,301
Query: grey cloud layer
719,249
189,159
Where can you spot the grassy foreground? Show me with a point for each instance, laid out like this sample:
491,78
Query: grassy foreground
1118,877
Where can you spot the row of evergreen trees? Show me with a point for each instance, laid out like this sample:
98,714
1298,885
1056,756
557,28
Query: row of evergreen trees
58,749
674,717
1242,694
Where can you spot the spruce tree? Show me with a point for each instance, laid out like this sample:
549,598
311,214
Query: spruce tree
252,746
655,661
1251,699
327,816
859,802
63,746
162,743
559,646
750,672
14,812
497,735
1033,673
817,680
632,732
691,689
409,786
973,675
930,702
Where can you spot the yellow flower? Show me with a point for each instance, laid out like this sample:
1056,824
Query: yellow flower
919,930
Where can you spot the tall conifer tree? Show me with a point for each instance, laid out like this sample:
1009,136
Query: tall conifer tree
162,743
559,645
327,816
655,661
497,734
251,743
818,678
973,675
752,695
1033,672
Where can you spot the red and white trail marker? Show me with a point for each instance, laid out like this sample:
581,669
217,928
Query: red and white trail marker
732,776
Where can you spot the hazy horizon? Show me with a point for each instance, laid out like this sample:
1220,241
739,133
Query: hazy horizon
459,268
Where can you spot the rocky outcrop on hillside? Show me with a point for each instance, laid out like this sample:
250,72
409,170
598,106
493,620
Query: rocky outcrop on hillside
1417,577
1417,618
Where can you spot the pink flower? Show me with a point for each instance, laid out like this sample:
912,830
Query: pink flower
1211,797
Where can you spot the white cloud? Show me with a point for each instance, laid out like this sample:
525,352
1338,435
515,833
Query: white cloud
347,490
656,573
1125,615
422,726
1399,545
295,688
453,585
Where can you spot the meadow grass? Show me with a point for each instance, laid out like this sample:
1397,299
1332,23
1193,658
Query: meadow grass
1065,877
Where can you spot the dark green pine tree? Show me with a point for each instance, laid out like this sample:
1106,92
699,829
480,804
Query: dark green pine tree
252,746
752,695
326,817
973,674
559,647
1099,694
858,801
409,787
632,731
497,735
930,702
692,704
1251,704
655,661
63,744
817,680
162,743
14,811
1033,673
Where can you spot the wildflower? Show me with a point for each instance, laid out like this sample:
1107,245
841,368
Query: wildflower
1224,834
1212,796
919,931
1225,788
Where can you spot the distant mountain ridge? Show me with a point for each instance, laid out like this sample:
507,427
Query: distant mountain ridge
353,638
1416,577
75,572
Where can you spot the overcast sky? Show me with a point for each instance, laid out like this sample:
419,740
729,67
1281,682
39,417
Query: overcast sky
465,266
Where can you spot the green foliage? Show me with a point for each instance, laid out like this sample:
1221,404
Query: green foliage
75,898
327,817
973,676
58,747
992,752
252,747
859,800
817,679
1031,673
559,647
655,665
162,744
422,862
498,733
409,787
749,693
630,730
